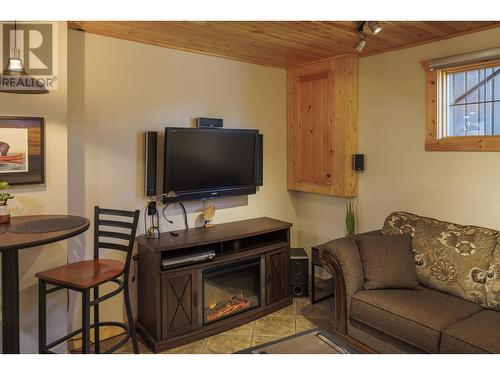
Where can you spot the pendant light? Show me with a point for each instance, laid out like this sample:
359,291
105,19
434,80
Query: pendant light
14,72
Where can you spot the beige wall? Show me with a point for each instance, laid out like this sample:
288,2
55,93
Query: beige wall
456,186
119,89
50,198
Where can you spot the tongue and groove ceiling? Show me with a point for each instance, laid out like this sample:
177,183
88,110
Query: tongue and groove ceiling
281,44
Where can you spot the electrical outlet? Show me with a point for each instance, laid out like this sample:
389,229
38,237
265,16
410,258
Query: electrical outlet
151,208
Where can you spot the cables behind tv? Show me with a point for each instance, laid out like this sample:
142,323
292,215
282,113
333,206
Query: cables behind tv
184,213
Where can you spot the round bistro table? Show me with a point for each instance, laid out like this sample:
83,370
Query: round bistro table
24,232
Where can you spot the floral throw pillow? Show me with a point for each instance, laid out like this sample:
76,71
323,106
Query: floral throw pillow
493,282
449,257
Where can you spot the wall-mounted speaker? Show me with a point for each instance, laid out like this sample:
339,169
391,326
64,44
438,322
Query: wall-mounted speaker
259,157
206,122
358,162
150,163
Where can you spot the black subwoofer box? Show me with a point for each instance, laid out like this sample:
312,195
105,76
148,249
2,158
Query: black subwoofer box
299,272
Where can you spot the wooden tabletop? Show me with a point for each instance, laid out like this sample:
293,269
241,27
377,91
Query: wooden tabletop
16,241
217,233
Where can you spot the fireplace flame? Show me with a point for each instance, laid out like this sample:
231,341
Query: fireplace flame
227,307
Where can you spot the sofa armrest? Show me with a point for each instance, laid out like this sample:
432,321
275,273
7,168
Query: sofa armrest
341,258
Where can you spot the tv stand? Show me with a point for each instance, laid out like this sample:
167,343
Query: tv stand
186,303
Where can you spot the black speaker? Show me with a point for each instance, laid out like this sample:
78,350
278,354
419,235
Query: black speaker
259,157
205,122
150,167
299,272
298,290
358,162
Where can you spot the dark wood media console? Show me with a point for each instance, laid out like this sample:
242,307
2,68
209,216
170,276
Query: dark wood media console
247,279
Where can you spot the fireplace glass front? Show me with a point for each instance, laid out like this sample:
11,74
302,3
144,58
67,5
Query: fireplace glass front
230,290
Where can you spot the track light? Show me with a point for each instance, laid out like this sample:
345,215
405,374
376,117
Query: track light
360,43
374,27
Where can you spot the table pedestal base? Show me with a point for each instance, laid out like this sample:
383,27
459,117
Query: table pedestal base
10,301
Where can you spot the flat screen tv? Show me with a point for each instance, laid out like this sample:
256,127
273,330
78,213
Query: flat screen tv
209,163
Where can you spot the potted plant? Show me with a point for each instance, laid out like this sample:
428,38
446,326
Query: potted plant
4,198
350,219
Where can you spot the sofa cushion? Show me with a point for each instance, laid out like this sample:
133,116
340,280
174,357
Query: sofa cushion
493,282
381,253
414,316
479,333
449,257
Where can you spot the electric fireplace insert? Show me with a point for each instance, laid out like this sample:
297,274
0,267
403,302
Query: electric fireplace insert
231,289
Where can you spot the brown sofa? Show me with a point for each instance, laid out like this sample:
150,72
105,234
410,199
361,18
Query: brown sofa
454,309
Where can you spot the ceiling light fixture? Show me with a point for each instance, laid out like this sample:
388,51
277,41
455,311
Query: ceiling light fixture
360,44
374,27
18,81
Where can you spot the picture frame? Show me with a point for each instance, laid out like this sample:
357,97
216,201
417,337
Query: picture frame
22,150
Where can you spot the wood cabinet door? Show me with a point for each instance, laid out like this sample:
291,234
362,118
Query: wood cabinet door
322,127
277,275
179,303
314,130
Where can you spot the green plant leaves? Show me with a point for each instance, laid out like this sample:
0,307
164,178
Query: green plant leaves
4,197
350,219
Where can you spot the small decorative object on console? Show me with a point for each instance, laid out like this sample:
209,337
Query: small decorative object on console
208,215
4,208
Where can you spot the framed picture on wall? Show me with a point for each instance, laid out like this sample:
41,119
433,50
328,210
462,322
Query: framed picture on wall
22,150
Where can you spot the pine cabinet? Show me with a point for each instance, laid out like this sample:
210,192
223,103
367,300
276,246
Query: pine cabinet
322,126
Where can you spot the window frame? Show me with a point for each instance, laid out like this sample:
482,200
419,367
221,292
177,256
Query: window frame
436,138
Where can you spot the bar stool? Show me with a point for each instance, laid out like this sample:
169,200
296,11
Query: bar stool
90,274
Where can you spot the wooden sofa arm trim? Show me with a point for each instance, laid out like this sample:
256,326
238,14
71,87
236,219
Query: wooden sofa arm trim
332,266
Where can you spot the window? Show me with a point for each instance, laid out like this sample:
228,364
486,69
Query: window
463,108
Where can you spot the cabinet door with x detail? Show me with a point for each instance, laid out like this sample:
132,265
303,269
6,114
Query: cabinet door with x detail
179,303
277,275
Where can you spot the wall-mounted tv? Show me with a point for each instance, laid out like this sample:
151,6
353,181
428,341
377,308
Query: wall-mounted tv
209,163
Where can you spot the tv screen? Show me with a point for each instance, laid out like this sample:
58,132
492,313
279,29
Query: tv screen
204,163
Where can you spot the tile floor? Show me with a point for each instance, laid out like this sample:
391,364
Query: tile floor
298,317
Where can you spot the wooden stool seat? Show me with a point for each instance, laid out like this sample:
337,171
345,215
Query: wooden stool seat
85,274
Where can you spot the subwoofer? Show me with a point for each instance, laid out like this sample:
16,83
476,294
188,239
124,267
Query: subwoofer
150,163
299,272
299,290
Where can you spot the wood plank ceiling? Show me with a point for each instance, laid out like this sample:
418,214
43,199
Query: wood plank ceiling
280,44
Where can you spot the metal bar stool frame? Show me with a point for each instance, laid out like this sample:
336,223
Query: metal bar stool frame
87,303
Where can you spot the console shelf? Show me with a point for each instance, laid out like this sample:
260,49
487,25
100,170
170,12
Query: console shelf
171,303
